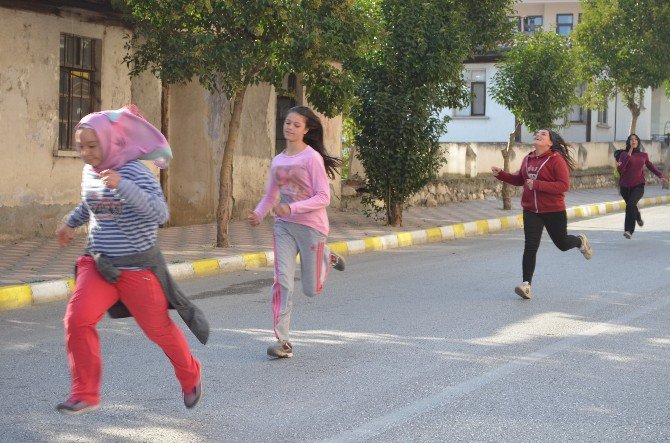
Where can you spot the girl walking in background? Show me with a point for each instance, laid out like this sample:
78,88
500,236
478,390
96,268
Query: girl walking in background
299,193
630,164
122,270
545,178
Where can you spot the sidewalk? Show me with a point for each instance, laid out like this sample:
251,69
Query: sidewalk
41,260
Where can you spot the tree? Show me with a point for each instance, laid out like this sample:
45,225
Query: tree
536,81
623,46
229,45
413,73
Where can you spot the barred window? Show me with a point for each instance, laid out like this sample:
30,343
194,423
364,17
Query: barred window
79,91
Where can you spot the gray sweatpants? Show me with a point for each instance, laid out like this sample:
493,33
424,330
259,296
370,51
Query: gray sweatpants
291,239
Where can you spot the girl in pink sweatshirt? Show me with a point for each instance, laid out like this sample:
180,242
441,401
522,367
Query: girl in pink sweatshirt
299,193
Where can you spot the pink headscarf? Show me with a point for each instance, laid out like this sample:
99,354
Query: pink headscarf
124,135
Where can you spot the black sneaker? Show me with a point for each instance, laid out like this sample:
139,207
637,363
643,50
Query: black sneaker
281,350
639,220
191,399
337,261
72,406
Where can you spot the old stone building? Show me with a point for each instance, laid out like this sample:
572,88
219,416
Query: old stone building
63,59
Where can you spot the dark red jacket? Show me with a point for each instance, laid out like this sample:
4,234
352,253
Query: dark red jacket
551,180
631,168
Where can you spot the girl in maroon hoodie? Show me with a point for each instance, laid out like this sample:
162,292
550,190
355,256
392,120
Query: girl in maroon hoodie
631,163
545,178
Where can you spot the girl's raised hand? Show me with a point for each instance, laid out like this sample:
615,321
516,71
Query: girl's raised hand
495,170
110,178
253,219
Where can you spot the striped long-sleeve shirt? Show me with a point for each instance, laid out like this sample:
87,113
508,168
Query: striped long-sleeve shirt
125,220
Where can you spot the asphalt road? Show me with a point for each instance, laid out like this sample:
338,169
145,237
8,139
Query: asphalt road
427,343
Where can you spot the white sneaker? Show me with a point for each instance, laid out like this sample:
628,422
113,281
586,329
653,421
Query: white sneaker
628,235
523,290
585,248
281,350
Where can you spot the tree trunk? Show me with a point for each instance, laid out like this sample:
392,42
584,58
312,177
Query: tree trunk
506,187
225,207
633,122
394,214
634,109
165,129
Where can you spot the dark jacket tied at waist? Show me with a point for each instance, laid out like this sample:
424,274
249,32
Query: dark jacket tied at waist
154,261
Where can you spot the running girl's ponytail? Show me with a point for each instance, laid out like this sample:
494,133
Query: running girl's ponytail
559,145
314,138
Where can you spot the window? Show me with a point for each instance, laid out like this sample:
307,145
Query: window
79,91
532,23
476,80
602,116
564,24
577,113
284,103
515,20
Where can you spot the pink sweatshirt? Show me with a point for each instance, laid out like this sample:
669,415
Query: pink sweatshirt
300,181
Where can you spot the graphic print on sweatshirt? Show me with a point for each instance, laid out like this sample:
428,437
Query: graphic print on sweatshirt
293,182
102,201
532,172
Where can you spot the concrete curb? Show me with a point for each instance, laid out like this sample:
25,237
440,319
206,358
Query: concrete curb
19,296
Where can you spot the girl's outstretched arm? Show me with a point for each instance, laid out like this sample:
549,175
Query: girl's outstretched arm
513,179
652,167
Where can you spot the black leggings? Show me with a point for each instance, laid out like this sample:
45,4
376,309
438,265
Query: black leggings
631,196
557,228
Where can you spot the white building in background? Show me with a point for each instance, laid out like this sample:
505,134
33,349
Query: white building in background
487,121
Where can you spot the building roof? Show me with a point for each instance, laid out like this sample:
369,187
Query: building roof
95,11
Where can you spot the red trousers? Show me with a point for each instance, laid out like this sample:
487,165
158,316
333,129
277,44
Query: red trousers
143,295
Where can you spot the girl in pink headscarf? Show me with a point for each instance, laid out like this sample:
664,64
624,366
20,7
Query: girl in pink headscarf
123,204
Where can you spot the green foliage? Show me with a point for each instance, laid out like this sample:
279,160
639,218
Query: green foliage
536,80
413,71
348,147
623,45
230,44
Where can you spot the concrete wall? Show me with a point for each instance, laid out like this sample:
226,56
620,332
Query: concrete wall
468,173
38,188
469,160
660,111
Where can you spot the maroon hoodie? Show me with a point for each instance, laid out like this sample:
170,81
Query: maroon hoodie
631,168
551,180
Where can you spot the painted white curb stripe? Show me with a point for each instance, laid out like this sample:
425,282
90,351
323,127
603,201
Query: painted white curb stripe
49,291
